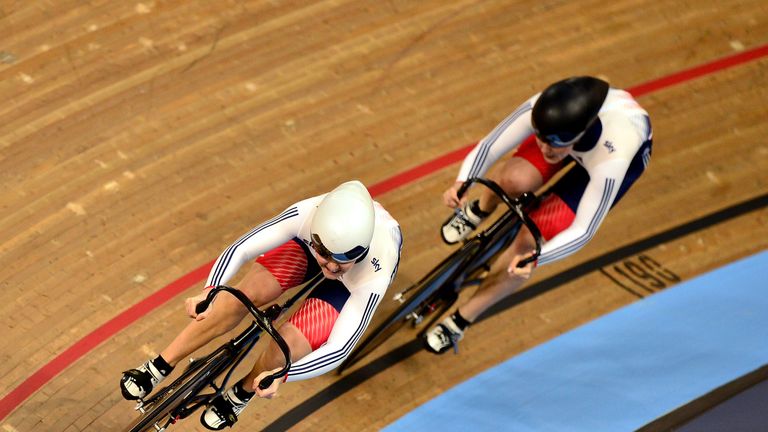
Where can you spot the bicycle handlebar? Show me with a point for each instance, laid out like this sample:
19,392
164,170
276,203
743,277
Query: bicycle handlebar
516,205
262,320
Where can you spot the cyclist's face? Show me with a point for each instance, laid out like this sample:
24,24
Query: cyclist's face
331,269
553,154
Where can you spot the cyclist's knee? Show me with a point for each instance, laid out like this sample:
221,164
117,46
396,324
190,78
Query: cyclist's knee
260,285
523,242
518,176
225,315
273,357
522,245
296,339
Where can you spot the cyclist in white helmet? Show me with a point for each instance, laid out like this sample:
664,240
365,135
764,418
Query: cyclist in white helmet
345,235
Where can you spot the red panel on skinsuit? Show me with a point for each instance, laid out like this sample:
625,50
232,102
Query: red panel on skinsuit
315,320
287,263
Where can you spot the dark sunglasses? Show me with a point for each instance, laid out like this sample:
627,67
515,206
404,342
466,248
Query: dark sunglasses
563,139
341,258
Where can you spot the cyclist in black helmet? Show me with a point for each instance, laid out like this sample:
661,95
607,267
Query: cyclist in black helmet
583,119
565,110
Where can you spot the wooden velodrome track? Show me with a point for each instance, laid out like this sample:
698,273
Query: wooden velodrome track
138,139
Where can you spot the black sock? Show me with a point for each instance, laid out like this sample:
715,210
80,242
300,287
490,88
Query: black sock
475,207
162,365
241,393
460,321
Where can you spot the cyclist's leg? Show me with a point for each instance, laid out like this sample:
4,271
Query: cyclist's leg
498,284
553,215
225,313
271,274
289,266
526,171
307,329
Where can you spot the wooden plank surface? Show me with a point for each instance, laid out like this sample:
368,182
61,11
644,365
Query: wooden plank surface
138,139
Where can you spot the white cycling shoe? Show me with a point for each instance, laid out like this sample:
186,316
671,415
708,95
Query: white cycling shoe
223,411
459,226
138,383
443,337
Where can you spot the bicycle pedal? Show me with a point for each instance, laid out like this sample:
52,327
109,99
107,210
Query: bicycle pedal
416,318
190,363
139,406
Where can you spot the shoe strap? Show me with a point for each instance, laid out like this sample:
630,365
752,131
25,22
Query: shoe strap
461,219
153,371
451,337
225,410
454,342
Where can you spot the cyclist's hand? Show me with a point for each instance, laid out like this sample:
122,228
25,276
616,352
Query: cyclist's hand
521,272
191,302
450,196
270,391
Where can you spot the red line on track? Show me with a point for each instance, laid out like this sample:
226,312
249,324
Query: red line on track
96,337
127,317
699,71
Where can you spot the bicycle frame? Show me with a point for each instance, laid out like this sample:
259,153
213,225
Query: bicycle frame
183,394
439,289
466,260
516,206
453,273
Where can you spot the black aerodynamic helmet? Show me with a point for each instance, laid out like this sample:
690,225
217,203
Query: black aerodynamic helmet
567,108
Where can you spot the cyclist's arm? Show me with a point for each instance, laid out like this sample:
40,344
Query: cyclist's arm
366,291
257,241
598,197
349,327
503,139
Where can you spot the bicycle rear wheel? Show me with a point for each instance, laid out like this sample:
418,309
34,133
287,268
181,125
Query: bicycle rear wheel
158,410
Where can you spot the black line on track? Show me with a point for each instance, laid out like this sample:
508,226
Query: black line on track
621,285
383,362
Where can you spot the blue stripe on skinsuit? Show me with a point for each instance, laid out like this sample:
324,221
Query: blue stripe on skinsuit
345,349
226,257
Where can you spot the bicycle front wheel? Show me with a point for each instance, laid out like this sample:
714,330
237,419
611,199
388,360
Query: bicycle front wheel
427,299
383,332
436,290
158,410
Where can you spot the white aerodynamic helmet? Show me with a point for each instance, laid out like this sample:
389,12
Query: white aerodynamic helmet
342,227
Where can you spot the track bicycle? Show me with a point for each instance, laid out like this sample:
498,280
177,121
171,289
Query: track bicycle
437,291
183,396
